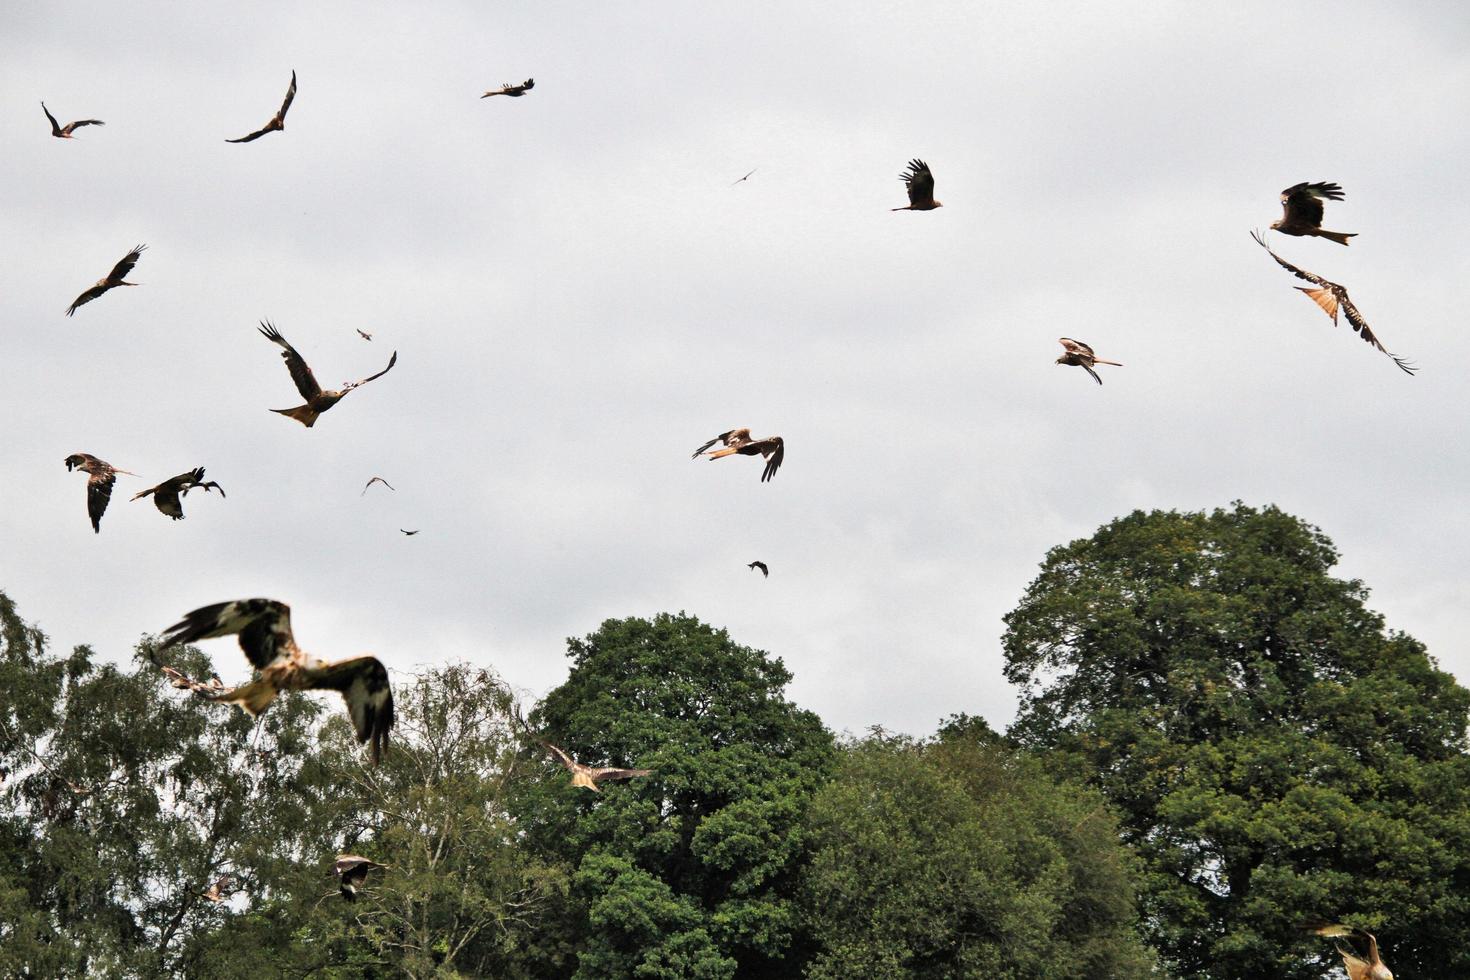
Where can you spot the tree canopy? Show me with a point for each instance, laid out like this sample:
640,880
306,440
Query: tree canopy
1273,750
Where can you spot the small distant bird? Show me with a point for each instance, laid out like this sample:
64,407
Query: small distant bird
772,448
278,121
766,572
114,278
350,870
1080,355
184,683
166,494
584,775
746,177
409,533
920,183
1372,968
376,479
1301,211
64,132
100,478
1330,296
264,626
514,91
218,891
317,400
364,335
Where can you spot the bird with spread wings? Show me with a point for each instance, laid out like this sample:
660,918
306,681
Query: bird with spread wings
1080,355
920,182
771,448
64,132
278,121
1331,297
514,91
264,627
376,479
765,572
317,400
351,870
100,478
1301,211
1358,968
166,494
112,279
583,775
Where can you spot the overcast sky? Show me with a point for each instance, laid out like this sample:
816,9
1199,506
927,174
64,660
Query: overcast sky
579,297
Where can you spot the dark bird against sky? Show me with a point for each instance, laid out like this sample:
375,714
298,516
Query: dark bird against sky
376,479
364,334
1301,211
1080,355
317,400
166,494
113,278
64,132
742,179
278,121
765,572
1331,296
920,182
350,870
772,448
100,478
514,91
409,533
264,626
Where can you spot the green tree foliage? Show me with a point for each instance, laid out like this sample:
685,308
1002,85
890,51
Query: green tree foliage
961,858
690,872
1274,752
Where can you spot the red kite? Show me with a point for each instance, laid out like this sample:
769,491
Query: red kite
1080,355
317,400
64,132
1301,211
514,91
1372,968
920,183
772,448
350,870
166,494
100,478
278,121
114,278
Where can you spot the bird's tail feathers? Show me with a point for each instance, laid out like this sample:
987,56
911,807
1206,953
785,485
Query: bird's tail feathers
1324,298
301,413
1099,360
1341,237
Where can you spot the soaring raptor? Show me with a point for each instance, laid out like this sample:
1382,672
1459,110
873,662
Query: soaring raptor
264,626
278,121
64,132
920,183
772,448
113,278
100,478
166,494
1330,296
317,400
1301,211
583,775
1080,355
514,91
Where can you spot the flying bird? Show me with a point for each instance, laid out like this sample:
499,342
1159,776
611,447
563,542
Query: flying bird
317,400
765,572
1301,211
1372,968
278,121
100,478
514,91
264,626
64,132
1080,355
218,891
742,179
921,187
1331,296
166,494
376,479
409,533
364,334
350,870
113,278
772,448
582,774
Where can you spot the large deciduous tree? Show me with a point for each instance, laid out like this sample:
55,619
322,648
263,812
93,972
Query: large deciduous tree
690,872
1274,751
964,859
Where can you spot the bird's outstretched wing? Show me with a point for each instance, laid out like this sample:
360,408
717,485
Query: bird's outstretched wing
774,452
920,182
363,684
376,479
125,264
600,774
99,493
1311,277
1301,204
766,572
372,377
1356,321
301,374
87,297
264,626
166,494
1076,347
722,437
55,126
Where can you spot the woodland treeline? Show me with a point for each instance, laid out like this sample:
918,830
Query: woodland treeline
1216,739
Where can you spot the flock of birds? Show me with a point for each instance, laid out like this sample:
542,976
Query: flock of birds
264,625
